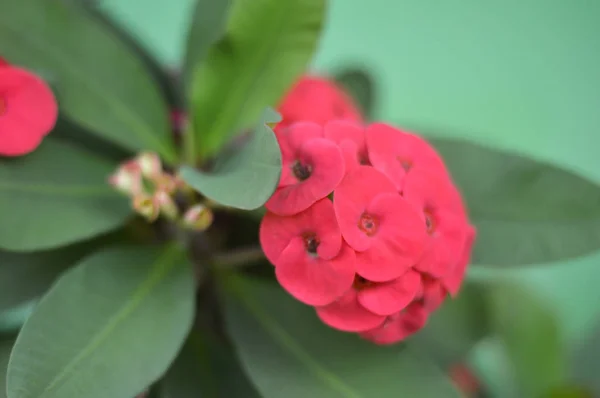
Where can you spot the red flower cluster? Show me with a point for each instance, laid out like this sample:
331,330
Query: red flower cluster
28,110
366,226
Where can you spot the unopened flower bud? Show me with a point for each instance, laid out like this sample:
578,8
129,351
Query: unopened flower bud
166,204
150,164
127,178
198,217
146,206
165,182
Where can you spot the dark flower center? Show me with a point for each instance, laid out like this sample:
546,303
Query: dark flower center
301,171
311,243
430,221
368,224
405,163
361,283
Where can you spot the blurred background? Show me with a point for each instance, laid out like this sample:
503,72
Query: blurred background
514,74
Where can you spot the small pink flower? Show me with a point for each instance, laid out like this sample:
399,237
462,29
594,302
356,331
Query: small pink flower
396,153
28,111
387,231
348,315
312,168
311,261
318,100
399,326
350,137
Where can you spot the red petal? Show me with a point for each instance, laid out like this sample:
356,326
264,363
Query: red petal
454,280
398,243
351,198
400,326
312,280
327,163
391,297
348,315
351,138
276,232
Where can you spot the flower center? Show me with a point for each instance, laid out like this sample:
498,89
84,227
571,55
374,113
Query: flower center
363,159
361,283
405,163
301,171
430,221
368,224
2,106
311,243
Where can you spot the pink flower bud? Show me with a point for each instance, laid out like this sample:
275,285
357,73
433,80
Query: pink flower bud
149,164
166,204
165,182
127,178
198,217
147,206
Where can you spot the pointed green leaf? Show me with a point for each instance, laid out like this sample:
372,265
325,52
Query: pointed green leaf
108,328
99,83
288,352
244,179
531,334
208,25
525,211
55,196
267,45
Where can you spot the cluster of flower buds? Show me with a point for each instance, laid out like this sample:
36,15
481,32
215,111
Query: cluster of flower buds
366,226
152,192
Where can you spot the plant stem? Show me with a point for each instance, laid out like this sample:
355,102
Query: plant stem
238,258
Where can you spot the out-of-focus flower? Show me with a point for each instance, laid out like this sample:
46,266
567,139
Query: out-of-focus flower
167,205
149,164
319,100
28,110
127,178
198,217
379,247
147,206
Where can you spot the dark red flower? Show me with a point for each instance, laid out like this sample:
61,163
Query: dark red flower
28,111
311,261
396,153
312,168
318,100
3,62
387,231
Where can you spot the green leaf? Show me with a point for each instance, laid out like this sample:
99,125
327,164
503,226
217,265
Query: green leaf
267,45
108,328
361,87
532,338
55,196
5,348
208,25
244,179
288,352
99,83
215,369
585,360
525,211
455,328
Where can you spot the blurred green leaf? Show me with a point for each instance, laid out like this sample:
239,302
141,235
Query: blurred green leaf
454,329
287,351
5,348
569,392
55,196
246,178
108,328
525,211
208,26
206,367
361,87
585,361
99,83
532,338
267,45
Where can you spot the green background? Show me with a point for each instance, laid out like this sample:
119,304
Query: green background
520,75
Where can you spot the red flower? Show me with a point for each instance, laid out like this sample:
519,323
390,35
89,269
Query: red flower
387,231
3,62
351,139
453,281
388,298
446,220
396,153
311,261
399,326
318,100
28,111
348,315
312,168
